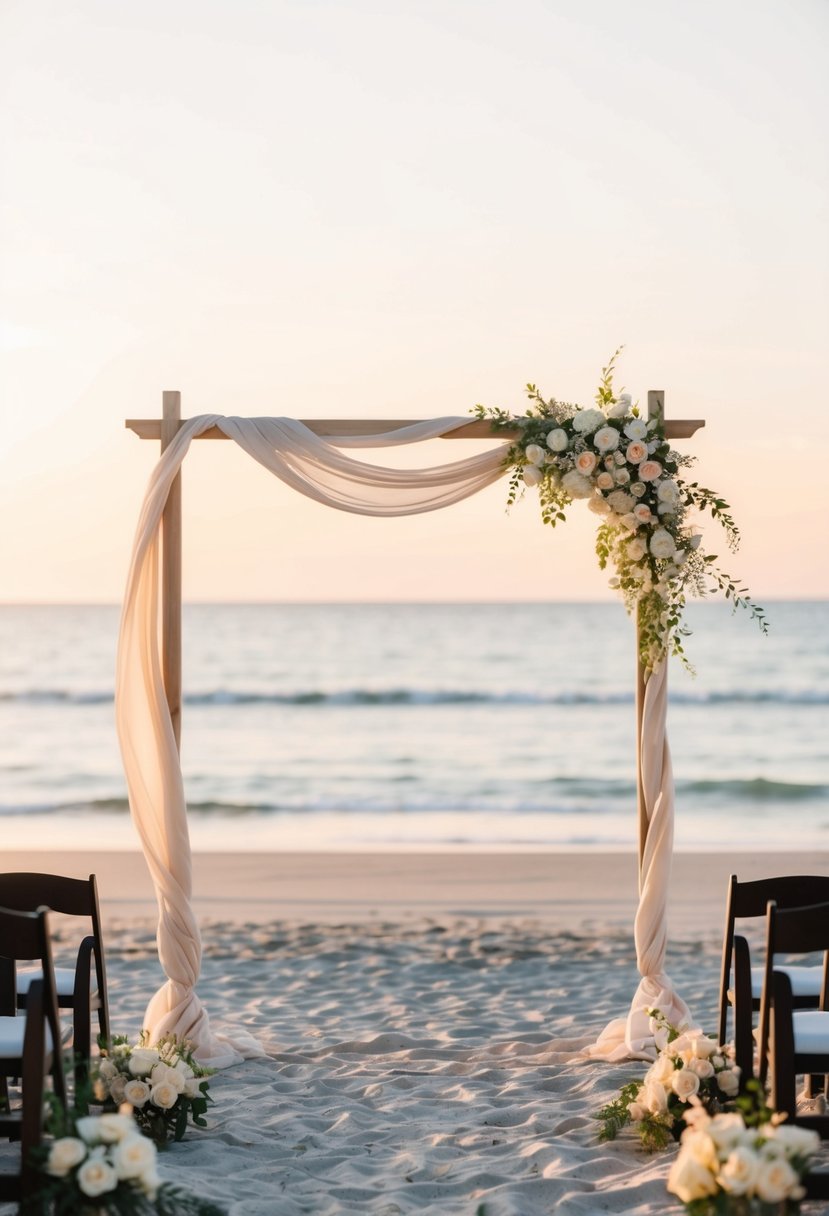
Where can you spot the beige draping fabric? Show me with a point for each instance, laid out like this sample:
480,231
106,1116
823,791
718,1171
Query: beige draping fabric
630,1037
318,469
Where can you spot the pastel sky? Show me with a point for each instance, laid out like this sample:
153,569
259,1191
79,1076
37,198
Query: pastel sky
354,209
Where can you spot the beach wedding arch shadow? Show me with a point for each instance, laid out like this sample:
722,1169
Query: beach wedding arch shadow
312,457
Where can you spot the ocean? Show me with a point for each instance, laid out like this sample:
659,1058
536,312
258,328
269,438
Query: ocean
423,726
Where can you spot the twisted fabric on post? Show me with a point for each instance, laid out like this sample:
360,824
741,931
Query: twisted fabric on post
320,470
631,1037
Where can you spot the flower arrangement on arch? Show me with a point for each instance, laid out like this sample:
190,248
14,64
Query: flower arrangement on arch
690,1070
623,467
102,1165
725,1168
164,1084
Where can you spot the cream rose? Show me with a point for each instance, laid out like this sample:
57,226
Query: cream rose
598,505
136,1092
586,463
642,513
605,481
703,1068
701,1147
653,1097
107,1070
662,1068
532,475
96,1176
134,1156
704,1047
142,1061
791,1140
116,1088
64,1155
689,1180
668,491
164,1095
621,502
776,1181
586,421
649,470
636,452
577,486
684,1083
662,544
636,549
638,489
621,477
557,440
163,1073
637,428
739,1172
534,453
606,439
727,1130
729,1082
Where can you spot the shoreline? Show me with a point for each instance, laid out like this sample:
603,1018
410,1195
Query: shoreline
570,892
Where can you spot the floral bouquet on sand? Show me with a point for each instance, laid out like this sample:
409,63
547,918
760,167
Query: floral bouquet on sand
102,1164
163,1084
625,470
691,1070
727,1169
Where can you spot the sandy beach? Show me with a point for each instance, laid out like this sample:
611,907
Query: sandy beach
422,1018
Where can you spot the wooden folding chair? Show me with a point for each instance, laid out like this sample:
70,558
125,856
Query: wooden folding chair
82,988
749,900
799,1038
26,1123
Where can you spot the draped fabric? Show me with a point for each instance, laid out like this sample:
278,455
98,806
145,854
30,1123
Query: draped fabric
322,471
630,1038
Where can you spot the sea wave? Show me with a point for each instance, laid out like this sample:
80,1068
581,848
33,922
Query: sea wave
360,697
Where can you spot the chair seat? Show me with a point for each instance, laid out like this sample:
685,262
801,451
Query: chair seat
811,1032
805,981
12,1031
64,981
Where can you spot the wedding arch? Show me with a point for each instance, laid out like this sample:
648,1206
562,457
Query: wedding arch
311,457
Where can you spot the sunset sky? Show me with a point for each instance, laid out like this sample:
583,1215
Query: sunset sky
347,209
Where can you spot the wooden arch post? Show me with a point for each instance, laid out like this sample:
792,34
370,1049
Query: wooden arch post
166,429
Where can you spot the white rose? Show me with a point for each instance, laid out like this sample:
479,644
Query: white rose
534,453
142,1061
191,1087
598,506
113,1127
727,1130
689,1180
662,544
164,1095
636,429
575,485
586,421
116,1089
739,1173
164,1073
64,1155
585,463
621,477
793,1141
557,440
703,1068
532,475
636,452
605,481
775,1181
684,1083
96,1176
136,1092
134,1156
636,549
649,470
638,489
704,1047
107,1070
606,439
668,491
621,502
697,1142
653,1097
662,1068
729,1082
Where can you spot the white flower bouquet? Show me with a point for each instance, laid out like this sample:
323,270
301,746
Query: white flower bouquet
103,1164
163,1084
727,1169
691,1071
623,467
